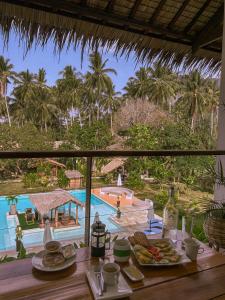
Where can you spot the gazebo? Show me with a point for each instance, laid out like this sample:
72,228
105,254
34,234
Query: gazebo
46,203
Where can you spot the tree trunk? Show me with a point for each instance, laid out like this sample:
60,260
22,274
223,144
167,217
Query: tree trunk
212,122
111,123
46,127
192,123
7,110
80,119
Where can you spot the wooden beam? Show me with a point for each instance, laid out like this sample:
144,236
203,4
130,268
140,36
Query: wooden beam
104,153
198,14
179,13
110,5
157,11
101,17
211,32
135,8
83,2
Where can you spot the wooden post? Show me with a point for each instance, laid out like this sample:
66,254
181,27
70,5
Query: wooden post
69,209
219,193
56,217
88,201
77,215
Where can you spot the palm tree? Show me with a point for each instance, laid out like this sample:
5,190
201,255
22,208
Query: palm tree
69,91
213,102
112,102
6,74
138,87
194,96
163,86
23,93
43,101
97,78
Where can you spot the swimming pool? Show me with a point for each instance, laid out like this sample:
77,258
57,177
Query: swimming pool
35,236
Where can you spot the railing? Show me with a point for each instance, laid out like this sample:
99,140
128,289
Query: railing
100,153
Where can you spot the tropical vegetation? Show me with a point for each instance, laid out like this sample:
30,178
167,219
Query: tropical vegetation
158,109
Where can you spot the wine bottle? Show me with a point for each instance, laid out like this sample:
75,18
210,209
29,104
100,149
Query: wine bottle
170,216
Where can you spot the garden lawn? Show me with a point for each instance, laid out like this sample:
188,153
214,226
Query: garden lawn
24,224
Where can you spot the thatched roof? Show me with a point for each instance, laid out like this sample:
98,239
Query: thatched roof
73,174
175,32
113,165
55,163
44,202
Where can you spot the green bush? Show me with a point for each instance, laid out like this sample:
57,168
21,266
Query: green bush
134,181
63,181
30,180
108,179
161,199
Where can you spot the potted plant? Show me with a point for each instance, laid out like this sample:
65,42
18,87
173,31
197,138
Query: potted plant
12,201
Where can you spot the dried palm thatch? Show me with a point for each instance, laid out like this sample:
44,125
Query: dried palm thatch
176,33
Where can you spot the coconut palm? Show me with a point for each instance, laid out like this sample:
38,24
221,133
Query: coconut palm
43,101
112,102
69,91
98,79
163,86
194,96
138,87
213,102
6,75
23,93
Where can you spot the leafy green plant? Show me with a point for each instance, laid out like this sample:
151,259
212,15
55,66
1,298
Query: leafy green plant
134,181
63,181
12,199
108,179
161,199
30,180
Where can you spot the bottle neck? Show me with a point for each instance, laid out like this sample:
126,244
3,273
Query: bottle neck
172,195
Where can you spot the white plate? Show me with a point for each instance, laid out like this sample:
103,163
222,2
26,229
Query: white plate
121,290
38,258
184,259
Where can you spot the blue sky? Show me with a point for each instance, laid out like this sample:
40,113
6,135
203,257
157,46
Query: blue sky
52,63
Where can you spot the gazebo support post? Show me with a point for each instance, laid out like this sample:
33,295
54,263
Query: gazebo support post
56,217
219,194
70,210
42,221
77,215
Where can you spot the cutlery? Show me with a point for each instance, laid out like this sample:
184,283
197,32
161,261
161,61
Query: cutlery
97,271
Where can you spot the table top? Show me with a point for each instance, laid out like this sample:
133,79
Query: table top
199,280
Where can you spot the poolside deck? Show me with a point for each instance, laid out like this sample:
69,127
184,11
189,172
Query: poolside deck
112,199
134,211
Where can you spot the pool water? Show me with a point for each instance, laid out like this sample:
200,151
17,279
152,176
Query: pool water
35,236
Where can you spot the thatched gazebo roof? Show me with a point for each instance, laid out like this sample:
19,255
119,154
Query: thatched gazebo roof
113,165
186,33
44,202
73,174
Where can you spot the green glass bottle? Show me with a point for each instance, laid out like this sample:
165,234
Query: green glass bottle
170,216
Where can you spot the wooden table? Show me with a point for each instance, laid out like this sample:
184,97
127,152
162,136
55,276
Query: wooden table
202,280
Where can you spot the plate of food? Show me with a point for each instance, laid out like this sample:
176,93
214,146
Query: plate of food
57,260
156,252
